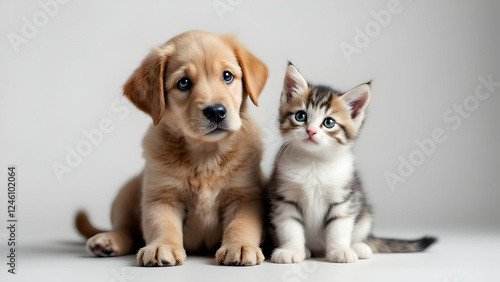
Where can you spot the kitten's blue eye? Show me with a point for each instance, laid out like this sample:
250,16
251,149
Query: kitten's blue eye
184,84
329,122
227,77
301,116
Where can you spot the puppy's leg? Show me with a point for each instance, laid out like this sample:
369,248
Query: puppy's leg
125,218
162,227
242,234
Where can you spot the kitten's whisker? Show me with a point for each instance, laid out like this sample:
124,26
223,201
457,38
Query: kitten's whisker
294,141
282,149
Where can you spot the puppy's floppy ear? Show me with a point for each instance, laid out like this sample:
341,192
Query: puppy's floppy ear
145,87
254,71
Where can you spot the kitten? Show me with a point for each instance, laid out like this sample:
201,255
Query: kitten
316,202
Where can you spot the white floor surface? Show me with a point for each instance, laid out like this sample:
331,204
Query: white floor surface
458,256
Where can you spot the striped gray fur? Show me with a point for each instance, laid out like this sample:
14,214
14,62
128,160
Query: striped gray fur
290,198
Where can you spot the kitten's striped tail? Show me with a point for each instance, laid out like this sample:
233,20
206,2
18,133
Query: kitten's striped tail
384,245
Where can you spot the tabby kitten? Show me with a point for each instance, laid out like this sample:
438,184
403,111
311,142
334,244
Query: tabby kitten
317,205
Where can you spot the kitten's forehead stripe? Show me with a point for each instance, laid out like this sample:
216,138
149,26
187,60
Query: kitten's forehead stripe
327,103
321,96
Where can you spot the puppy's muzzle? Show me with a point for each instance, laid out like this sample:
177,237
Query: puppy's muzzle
215,113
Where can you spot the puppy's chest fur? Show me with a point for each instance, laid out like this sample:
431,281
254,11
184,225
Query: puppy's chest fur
202,226
200,182
203,191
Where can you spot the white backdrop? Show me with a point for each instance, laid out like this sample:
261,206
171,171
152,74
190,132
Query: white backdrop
63,66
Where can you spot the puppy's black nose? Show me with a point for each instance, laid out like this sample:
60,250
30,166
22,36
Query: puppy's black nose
215,113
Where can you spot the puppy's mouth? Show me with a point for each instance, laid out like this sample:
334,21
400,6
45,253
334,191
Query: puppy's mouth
216,131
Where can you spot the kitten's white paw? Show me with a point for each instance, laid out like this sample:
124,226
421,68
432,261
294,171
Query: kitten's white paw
363,250
308,253
287,256
346,255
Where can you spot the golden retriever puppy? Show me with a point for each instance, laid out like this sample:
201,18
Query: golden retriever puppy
202,186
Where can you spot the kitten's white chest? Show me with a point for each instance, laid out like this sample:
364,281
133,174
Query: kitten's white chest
314,209
314,185
317,179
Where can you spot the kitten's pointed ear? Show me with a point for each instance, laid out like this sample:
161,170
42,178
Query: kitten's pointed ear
293,85
357,99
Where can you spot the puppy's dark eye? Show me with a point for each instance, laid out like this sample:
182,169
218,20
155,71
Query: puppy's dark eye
227,77
329,122
184,84
301,116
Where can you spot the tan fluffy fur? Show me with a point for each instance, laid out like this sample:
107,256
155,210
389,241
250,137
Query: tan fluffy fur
196,189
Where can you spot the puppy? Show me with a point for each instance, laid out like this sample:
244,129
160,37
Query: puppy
201,188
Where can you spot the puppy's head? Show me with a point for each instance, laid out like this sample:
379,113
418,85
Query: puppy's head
197,84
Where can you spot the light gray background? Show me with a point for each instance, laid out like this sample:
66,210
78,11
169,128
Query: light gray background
427,59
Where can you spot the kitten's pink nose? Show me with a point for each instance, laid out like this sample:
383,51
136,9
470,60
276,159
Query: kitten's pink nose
311,132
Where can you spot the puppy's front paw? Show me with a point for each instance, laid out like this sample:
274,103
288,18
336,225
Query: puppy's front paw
281,255
346,255
363,250
237,254
158,254
102,245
